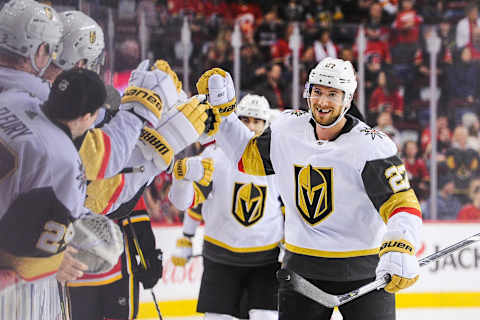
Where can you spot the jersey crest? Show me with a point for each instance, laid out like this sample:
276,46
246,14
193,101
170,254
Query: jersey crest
313,193
248,202
373,133
296,112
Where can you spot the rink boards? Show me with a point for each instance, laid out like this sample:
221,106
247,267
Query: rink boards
451,282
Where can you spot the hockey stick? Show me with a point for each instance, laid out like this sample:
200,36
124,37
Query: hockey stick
143,262
64,301
304,287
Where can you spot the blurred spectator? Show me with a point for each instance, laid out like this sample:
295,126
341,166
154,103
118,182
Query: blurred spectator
127,59
244,8
406,26
386,97
320,12
372,69
416,168
323,46
390,7
268,32
405,35
375,45
448,206
280,51
444,135
293,11
185,7
471,122
252,69
467,24
308,58
273,89
471,211
432,11
463,162
384,123
462,85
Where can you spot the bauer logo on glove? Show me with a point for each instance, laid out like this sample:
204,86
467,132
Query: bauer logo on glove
217,84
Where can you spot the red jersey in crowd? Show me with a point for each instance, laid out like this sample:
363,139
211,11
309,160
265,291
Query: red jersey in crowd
469,212
380,100
417,169
407,26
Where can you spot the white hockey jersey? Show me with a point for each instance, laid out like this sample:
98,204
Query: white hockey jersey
242,214
338,194
42,184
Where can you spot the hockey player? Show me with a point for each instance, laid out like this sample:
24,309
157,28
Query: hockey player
42,180
351,214
243,226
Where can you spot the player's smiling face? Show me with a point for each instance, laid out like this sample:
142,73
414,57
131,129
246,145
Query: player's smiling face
326,104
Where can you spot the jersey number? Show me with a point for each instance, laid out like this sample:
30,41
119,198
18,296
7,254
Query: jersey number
8,160
54,237
397,178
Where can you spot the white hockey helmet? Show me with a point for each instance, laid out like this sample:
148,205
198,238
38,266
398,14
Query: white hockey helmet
25,25
254,106
333,73
82,39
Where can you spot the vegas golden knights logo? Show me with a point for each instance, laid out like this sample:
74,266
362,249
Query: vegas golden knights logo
313,192
248,202
93,37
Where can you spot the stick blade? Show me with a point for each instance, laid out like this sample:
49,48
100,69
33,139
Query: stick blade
307,289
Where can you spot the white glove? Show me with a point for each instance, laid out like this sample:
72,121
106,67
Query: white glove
217,84
149,93
397,258
184,124
183,251
155,148
194,169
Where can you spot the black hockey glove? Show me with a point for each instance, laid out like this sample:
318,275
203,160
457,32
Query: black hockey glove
150,277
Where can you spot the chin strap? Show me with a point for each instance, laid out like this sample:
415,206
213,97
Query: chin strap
40,71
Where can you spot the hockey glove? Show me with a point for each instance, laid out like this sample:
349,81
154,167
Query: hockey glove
149,93
183,251
185,124
155,148
163,65
150,277
397,258
194,169
217,84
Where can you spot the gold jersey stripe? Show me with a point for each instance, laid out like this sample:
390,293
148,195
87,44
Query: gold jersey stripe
31,268
101,192
240,250
194,215
252,161
401,199
92,152
136,219
94,282
330,254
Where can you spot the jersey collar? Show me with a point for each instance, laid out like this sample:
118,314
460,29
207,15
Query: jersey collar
349,125
21,80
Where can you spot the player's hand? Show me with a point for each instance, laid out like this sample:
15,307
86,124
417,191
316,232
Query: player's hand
183,251
194,169
70,268
217,84
185,123
153,273
155,148
149,92
397,258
